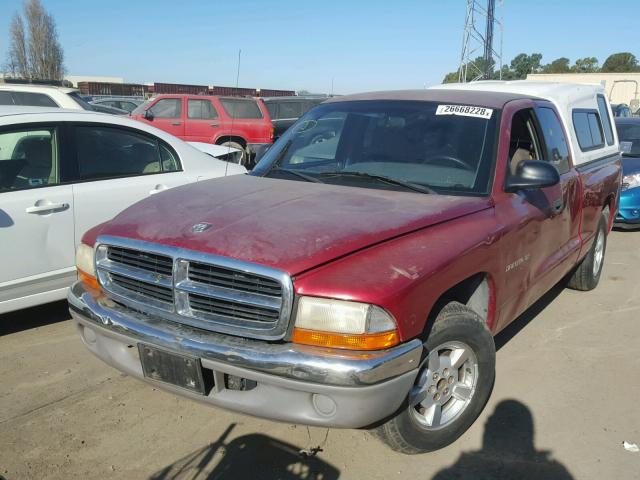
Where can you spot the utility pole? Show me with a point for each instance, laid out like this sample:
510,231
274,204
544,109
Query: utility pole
479,57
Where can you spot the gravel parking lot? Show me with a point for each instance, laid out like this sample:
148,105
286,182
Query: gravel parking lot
566,397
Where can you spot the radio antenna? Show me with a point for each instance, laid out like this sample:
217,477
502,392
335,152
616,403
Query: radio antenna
233,111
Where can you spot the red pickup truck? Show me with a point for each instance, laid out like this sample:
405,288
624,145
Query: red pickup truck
357,277
241,123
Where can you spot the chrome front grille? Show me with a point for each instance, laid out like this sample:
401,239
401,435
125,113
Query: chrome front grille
206,291
160,264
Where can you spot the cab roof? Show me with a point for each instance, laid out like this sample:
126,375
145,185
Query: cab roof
495,99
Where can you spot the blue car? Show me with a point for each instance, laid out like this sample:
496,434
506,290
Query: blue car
628,215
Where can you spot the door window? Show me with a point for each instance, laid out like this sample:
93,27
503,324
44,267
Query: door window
28,159
523,144
106,152
201,110
557,150
167,108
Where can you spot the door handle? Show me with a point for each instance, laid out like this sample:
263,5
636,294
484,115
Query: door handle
175,124
158,188
47,207
215,124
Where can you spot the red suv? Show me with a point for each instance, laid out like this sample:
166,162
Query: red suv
241,123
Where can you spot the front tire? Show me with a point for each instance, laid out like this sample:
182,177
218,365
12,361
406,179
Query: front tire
587,275
452,387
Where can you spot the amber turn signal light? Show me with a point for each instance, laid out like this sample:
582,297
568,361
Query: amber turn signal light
90,282
366,341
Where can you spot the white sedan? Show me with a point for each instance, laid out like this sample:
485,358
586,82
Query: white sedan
64,171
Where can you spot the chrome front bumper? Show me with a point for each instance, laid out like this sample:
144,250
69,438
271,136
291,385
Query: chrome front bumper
295,383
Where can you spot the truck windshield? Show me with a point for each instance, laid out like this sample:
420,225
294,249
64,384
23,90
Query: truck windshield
448,149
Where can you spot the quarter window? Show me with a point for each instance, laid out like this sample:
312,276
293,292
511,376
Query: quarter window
201,109
555,141
31,99
588,129
28,159
106,152
238,108
167,108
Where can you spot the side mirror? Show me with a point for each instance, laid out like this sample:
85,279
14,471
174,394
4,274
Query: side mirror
148,115
532,174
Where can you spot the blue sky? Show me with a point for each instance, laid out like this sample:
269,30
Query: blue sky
362,45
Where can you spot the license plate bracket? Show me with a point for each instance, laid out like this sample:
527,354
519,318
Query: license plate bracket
178,370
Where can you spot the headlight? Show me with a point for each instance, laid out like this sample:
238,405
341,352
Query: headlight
86,267
342,324
631,181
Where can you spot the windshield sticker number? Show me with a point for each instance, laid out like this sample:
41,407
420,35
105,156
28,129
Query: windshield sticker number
464,111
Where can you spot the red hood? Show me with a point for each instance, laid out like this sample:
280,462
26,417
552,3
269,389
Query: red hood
290,225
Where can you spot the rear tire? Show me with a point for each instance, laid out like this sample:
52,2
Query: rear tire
452,388
587,275
244,159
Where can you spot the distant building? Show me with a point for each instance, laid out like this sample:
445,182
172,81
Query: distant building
620,87
75,79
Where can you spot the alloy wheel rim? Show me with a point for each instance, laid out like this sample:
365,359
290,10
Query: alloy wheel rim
598,254
445,385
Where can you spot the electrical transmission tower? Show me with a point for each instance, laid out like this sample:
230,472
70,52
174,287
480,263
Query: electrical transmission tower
479,57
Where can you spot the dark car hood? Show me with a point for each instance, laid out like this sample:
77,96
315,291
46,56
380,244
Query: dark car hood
290,225
630,164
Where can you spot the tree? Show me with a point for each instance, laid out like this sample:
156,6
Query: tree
524,64
34,52
474,71
621,62
18,62
586,65
559,65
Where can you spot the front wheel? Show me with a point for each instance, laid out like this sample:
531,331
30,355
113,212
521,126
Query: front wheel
452,387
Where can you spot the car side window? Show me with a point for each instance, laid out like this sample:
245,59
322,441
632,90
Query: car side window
32,99
167,108
557,150
201,109
108,152
290,109
28,159
523,143
588,129
606,120
6,98
272,108
241,108
169,159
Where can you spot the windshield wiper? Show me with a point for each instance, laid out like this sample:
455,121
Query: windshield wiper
304,176
381,178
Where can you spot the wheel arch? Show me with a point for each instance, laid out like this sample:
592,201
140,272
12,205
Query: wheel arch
476,292
231,138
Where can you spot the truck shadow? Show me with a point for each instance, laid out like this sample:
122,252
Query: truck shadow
532,312
33,317
256,456
508,451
